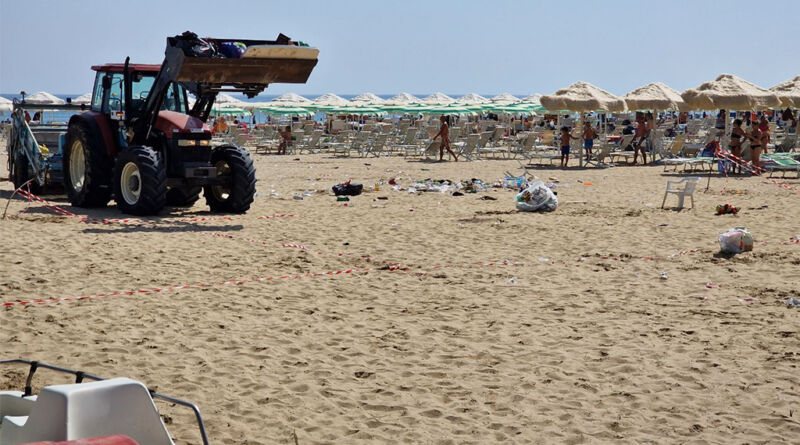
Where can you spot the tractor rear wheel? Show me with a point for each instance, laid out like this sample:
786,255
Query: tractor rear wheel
237,176
140,181
20,174
87,169
183,196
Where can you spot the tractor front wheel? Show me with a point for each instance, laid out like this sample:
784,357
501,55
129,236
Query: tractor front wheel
140,181
237,180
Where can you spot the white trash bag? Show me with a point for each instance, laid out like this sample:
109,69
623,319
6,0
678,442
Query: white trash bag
736,240
537,198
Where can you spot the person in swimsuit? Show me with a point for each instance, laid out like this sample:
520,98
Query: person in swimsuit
639,138
735,145
763,128
286,139
444,132
565,138
589,135
755,145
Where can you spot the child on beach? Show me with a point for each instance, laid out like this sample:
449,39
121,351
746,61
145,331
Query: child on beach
589,135
565,138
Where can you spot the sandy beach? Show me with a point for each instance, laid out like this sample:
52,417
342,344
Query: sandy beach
461,320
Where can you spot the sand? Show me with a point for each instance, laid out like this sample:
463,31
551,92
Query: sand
586,344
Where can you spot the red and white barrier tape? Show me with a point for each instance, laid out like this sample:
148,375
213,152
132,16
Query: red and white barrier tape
754,169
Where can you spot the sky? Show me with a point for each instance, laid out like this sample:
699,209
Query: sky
421,47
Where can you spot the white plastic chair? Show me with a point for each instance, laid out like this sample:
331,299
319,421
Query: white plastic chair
689,185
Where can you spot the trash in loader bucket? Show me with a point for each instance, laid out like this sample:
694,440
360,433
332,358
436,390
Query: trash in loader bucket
262,62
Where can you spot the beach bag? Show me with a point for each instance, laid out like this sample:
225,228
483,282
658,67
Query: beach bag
736,240
537,198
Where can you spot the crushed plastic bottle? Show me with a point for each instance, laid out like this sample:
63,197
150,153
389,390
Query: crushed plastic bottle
512,281
792,302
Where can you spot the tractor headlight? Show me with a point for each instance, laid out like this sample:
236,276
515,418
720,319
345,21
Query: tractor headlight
186,142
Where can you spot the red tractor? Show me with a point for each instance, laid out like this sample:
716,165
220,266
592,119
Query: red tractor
144,147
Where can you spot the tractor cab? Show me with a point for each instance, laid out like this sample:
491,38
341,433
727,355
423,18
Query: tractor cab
109,95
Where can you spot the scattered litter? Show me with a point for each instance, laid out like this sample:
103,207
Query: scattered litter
537,197
377,206
710,285
663,275
342,198
297,197
727,209
346,188
736,240
748,300
512,281
457,194
587,183
544,260
383,198
792,302
488,198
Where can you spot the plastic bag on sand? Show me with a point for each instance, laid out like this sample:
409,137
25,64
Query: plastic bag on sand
537,198
736,240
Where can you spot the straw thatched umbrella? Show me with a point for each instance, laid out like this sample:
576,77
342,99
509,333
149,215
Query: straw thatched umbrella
43,98
403,99
472,99
655,96
330,100
226,100
5,104
367,99
505,98
438,99
83,99
290,100
583,97
533,99
788,92
728,92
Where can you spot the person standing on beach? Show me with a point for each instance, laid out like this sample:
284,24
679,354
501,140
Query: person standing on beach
755,145
763,128
444,132
565,139
286,139
639,138
737,137
589,135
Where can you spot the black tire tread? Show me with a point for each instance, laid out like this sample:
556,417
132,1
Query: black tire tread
97,185
243,187
154,181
